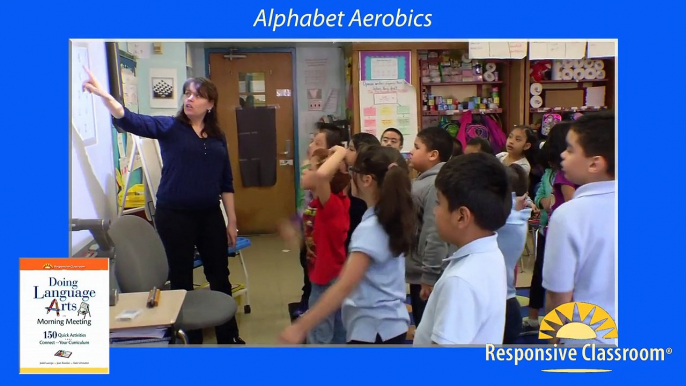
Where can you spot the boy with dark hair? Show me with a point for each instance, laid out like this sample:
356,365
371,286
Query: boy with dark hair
580,241
392,137
467,305
432,149
326,137
478,144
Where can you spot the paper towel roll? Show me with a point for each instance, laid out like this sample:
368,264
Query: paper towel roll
579,74
578,63
490,67
568,63
558,66
536,89
598,64
536,101
591,73
489,77
588,63
567,74
601,74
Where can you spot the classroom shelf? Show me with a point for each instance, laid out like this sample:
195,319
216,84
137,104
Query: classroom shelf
561,87
460,112
496,93
572,81
441,60
460,83
565,110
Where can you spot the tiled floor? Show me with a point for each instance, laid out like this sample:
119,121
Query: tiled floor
275,281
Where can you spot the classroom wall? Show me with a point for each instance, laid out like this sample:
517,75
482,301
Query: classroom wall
333,64
305,54
173,56
93,186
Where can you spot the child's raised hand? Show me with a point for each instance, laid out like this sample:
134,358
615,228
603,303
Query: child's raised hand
336,149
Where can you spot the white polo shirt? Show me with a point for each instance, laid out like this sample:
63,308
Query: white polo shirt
580,249
467,305
511,240
524,163
377,305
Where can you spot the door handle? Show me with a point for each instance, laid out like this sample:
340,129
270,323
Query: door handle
288,148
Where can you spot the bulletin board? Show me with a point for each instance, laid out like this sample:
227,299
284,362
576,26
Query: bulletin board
385,65
389,103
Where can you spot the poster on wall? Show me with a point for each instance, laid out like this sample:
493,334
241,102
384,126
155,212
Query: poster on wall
164,89
314,99
388,104
385,65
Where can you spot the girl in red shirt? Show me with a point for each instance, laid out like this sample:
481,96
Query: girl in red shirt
326,221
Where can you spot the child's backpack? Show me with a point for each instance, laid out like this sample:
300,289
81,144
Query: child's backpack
483,127
449,126
549,120
473,127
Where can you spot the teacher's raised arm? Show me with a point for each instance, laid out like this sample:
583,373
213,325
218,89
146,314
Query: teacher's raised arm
142,125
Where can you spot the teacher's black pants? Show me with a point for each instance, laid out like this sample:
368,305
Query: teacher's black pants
181,232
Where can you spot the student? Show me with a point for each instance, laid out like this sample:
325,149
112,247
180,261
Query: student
521,146
326,222
580,245
467,305
511,240
559,190
357,205
327,136
371,286
392,137
196,177
432,149
478,144
457,147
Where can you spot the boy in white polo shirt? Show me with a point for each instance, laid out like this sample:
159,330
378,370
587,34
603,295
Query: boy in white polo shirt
580,241
467,305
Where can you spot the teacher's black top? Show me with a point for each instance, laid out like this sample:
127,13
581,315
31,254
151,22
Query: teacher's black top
195,171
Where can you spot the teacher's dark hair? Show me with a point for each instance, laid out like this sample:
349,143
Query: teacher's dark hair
205,89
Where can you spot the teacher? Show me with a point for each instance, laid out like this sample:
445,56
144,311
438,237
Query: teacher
196,172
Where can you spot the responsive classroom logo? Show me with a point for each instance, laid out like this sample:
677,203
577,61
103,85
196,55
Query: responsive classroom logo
576,321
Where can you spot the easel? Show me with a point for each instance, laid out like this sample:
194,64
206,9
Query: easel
151,175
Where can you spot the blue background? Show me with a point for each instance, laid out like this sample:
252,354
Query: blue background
35,155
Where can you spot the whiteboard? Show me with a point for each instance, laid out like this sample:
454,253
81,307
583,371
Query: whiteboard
82,108
389,103
93,186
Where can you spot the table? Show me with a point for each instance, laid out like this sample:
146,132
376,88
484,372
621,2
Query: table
164,315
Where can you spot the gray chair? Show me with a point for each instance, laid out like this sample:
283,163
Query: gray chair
141,264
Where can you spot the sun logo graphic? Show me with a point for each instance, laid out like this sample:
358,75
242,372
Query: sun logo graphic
578,321
48,266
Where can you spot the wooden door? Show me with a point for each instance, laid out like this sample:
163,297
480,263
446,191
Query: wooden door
266,79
